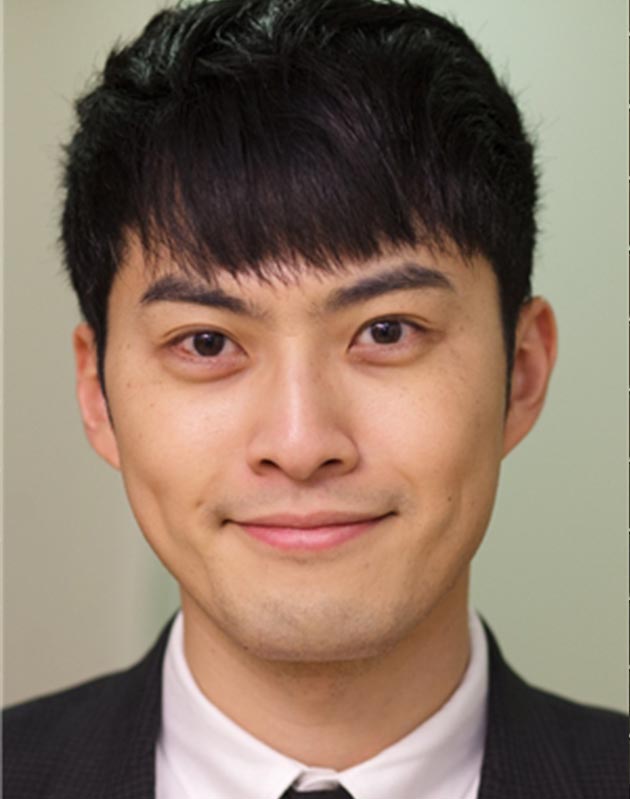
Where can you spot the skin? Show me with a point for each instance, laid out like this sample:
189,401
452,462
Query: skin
327,656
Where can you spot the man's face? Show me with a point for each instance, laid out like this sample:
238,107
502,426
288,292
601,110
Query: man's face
375,393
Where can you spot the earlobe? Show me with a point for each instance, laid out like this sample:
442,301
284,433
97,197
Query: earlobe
92,403
535,350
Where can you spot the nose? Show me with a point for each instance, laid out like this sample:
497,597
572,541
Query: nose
301,427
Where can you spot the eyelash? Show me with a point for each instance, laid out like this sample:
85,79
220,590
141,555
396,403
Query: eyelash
179,342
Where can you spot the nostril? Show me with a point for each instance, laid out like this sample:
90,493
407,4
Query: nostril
302,458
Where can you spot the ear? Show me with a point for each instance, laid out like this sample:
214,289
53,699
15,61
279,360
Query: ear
535,349
92,401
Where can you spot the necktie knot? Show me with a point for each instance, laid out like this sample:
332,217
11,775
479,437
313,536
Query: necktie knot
339,792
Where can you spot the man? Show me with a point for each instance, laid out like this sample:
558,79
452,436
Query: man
301,235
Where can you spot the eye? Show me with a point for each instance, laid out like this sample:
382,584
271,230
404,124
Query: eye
388,332
206,344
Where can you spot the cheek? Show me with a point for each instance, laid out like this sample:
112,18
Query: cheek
441,431
173,446
442,445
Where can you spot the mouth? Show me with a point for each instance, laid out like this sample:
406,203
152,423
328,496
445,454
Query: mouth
313,532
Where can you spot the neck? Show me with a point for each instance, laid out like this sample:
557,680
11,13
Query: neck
333,714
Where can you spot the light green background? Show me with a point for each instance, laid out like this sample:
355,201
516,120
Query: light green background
84,594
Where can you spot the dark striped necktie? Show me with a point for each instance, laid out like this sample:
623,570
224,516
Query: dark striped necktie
329,793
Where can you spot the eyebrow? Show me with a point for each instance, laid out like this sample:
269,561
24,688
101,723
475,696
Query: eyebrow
405,277
176,289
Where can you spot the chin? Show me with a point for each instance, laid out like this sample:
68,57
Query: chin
328,650
330,632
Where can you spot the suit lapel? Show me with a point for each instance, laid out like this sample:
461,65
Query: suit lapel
135,776
523,757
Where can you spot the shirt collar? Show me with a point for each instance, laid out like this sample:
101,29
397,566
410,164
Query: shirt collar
203,753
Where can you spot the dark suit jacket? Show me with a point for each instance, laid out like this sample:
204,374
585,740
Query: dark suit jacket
97,741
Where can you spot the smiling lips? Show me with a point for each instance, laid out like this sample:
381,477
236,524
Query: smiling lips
316,531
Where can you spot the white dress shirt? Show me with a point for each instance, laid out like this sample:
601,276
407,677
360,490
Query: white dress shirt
202,754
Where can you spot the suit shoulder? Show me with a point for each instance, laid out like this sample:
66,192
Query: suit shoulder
591,741
42,734
50,715
70,743
592,731
597,740
541,744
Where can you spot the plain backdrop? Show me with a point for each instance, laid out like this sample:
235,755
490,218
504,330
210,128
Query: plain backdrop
83,594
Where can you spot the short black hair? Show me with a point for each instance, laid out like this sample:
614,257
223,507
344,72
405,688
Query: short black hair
245,135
